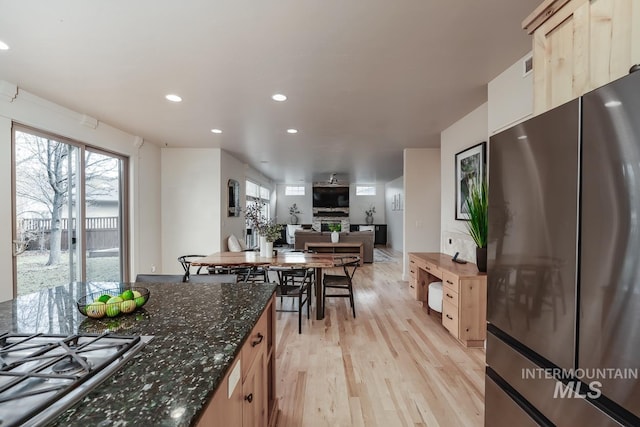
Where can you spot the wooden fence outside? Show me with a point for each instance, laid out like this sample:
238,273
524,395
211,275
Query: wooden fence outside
102,233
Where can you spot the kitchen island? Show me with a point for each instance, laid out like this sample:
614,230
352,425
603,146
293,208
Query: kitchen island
199,331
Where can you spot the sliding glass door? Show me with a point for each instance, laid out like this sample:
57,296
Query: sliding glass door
69,222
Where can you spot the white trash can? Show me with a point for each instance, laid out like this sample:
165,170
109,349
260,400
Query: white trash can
435,296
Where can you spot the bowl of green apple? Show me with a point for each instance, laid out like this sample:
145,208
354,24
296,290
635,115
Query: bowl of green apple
113,302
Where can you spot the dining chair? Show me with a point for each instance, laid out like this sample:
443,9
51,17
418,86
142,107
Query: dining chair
213,278
341,282
244,273
185,262
294,283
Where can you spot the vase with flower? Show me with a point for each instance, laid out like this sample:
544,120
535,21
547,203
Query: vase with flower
293,214
369,215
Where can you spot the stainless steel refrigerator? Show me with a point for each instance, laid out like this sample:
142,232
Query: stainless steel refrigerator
564,265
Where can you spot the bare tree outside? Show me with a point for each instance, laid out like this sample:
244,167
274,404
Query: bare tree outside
44,180
47,196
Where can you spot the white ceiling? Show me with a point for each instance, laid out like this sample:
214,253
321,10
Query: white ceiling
365,78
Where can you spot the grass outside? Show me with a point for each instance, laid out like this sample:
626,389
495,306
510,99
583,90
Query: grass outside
34,275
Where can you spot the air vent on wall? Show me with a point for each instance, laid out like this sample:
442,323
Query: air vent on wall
527,66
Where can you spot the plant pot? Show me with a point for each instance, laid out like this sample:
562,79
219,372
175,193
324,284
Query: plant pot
293,219
335,237
481,259
263,246
269,250
369,219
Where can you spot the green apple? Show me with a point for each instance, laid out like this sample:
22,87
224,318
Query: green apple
127,306
96,309
138,298
113,306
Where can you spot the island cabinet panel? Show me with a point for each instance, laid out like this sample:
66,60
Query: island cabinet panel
580,45
225,409
254,389
246,396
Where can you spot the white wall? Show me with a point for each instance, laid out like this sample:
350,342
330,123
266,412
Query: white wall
28,109
466,132
304,203
359,204
231,168
422,202
191,204
395,218
6,210
510,97
146,237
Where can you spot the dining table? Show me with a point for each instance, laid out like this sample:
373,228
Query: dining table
281,259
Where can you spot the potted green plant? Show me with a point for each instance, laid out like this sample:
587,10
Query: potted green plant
272,232
478,224
335,232
293,211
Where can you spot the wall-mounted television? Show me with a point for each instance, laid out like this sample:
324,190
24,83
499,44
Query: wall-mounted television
330,197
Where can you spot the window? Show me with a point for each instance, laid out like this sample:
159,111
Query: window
256,193
365,190
71,212
294,190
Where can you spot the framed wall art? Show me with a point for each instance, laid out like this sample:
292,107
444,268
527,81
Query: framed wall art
470,167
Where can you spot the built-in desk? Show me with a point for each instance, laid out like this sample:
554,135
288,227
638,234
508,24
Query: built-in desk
464,294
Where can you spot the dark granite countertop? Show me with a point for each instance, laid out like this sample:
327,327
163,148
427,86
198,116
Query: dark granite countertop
198,330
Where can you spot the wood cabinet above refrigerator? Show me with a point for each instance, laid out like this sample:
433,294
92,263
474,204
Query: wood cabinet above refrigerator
580,45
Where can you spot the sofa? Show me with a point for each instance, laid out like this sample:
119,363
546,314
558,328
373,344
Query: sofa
310,236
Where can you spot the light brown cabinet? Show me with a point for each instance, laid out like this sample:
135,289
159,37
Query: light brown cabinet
580,45
246,395
464,294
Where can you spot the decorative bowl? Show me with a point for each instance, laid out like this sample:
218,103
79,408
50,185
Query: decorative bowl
113,302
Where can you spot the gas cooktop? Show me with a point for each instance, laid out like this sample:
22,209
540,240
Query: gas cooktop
41,375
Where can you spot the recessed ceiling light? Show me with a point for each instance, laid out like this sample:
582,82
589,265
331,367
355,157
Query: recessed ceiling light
292,130
216,131
522,137
3,45
611,104
173,98
279,97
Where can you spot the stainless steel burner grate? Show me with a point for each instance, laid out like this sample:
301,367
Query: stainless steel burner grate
43,375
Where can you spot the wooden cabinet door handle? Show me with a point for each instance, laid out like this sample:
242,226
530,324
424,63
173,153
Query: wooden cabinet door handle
260,338
449,317
449,296
428,269
450,282
249,397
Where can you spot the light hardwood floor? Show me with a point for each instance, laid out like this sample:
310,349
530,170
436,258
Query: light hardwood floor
393,365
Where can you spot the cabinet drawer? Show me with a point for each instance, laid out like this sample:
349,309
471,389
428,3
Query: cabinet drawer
450,296
413,271
413,283
450,318
256,342
450,281
433,270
